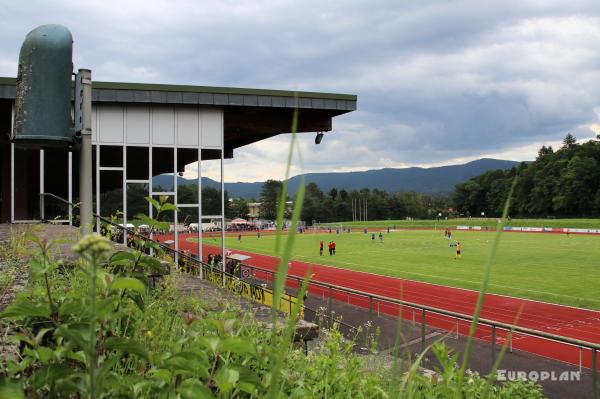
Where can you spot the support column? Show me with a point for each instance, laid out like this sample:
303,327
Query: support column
83,89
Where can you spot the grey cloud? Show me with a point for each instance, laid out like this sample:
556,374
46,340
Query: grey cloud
435,80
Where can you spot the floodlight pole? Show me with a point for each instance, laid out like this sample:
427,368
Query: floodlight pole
83,127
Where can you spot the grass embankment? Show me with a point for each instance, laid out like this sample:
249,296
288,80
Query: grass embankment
549,267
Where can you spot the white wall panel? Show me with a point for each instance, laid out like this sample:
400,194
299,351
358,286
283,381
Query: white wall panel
137,123
110,124
212,128
188,127
163,126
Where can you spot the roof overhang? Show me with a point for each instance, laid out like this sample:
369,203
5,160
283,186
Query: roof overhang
250,115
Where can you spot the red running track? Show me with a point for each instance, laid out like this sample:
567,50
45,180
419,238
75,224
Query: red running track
561,320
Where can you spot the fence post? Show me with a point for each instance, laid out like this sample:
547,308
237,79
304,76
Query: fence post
370,308
457,328
423,329
580,359
42,210
493,344
595,372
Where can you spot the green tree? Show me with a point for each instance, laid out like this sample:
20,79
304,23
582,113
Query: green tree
569,141
333,193
313,207
239,208
343,195
269,199
578,185
545,151
211,201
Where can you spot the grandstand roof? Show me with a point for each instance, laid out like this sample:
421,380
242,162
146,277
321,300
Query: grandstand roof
250,115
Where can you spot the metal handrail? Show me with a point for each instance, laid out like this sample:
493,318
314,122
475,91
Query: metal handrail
56,197
449,313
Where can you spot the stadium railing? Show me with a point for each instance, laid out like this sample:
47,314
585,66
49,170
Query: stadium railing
421,314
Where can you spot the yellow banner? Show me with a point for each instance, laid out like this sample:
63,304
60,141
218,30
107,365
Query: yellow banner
251,291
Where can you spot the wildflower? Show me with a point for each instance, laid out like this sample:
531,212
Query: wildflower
94,244
149,333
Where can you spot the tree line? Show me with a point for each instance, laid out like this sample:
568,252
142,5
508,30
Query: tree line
337,205
561,183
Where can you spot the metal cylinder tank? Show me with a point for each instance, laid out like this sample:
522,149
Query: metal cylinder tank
43,98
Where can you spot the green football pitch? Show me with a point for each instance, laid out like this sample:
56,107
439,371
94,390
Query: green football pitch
549,267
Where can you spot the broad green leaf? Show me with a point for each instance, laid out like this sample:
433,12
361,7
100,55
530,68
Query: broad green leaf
195,364
122,256
192,388
151,263
73,307
247,387
154,203
128,283
22,308
226,378
77,335
78,356
167,206
237,345
140,218
126,345
44,353
210,342
163,375
153,245
247,375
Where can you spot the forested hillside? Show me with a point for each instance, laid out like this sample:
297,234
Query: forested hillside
559,183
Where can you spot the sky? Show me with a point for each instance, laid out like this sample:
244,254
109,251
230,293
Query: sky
438,82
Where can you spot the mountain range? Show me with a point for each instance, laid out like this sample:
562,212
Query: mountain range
440,179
